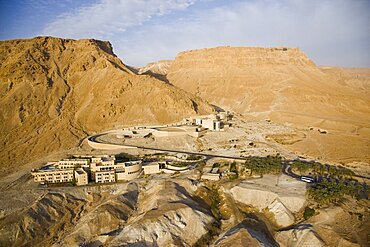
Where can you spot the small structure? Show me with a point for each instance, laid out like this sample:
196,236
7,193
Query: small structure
213,174
131,170
154,167
81,177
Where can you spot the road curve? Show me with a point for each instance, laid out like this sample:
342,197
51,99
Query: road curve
286,168
207,155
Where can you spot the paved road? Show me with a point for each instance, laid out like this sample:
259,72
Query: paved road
286,168
207,155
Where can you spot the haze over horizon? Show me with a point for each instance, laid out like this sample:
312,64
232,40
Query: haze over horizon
330,32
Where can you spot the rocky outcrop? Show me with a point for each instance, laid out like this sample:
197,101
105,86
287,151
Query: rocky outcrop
161,213
282,199
54,92
249,232
161,67
299,236
283,216
168,215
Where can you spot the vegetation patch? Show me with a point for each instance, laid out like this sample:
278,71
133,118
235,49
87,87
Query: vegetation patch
213,229
123,157
193,157
179,164
317,168
308,213
264,165
332,191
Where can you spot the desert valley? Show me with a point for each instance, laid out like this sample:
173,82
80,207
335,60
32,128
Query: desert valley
229,146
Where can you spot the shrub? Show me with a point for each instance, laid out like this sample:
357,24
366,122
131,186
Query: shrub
193,157
125,157
74,182
308,213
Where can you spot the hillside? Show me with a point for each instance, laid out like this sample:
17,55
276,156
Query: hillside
165,211
53,92
285,86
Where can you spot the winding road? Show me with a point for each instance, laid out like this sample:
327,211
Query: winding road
207,155
286,168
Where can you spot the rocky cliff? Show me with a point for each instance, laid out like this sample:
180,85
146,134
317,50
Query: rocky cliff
53,92
267,82
285,86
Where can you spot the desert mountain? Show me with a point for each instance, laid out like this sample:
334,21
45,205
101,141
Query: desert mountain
272,82
284,85
53,92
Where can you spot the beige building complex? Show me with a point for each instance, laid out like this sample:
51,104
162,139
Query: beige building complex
81,170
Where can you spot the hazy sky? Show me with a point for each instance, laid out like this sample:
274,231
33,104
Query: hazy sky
141,31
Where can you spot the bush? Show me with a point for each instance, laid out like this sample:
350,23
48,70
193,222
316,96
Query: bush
179,164
233,167
74,182
193,157
308,213
123,157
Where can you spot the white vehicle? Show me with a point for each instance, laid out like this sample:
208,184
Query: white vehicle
307,179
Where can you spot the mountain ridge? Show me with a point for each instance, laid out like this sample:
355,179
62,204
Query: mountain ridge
284,85
53,92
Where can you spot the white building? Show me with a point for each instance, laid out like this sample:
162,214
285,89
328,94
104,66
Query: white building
212,174
124,171
154,167
213,122
131,170
81,177
73,163
52,176
105,177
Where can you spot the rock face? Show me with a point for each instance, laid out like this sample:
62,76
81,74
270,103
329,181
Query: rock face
161,213
160,67
263,81
282,200
282,214
284,85
249,232
167,216
50,218
53,92
300,235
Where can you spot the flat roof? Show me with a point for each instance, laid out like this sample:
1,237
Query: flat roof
80,172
